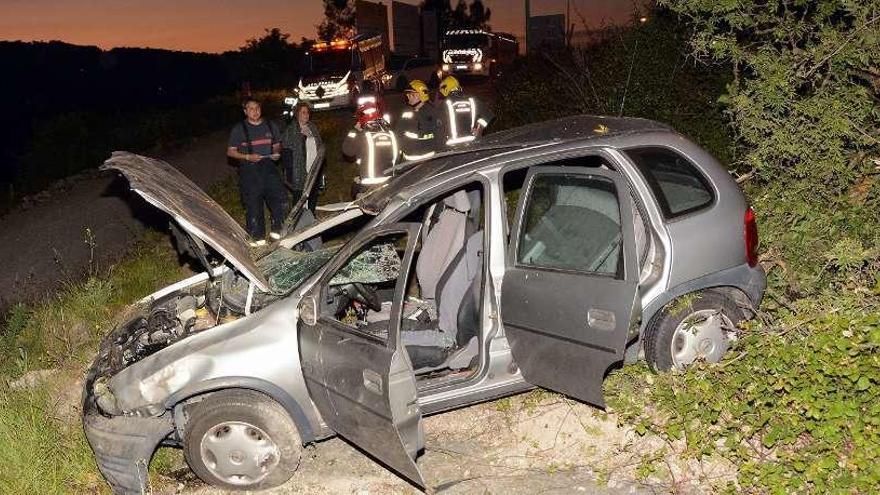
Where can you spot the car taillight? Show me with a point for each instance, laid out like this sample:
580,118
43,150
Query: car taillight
750,227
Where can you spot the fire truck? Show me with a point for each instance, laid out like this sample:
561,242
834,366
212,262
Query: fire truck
475,52
336,72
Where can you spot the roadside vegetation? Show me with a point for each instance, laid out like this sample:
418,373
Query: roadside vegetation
46,348
786,94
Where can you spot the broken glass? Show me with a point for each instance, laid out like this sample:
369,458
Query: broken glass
286,269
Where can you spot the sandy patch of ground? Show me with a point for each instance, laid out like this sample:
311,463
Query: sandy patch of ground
531,443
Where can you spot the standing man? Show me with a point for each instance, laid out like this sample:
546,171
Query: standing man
372,145
255,143
464,117
419,129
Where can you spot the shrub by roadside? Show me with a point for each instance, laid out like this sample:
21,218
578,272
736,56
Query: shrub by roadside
794,405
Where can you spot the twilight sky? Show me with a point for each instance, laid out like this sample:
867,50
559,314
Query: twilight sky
219,25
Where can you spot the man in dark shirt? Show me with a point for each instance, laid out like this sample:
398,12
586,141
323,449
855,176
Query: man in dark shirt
256,144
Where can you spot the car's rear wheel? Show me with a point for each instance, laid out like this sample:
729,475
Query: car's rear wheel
696,327
241,440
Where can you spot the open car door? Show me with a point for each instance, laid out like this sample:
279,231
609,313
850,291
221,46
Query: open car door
359,375
569,290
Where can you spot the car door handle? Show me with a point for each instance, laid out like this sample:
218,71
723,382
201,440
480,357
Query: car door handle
601,319
373,381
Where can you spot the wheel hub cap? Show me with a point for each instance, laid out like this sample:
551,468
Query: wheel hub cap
239,453
703,335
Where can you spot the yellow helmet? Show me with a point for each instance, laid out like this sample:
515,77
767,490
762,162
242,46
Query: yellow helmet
449,85
421,88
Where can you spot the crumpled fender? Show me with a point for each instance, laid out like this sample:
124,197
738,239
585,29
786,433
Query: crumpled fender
123,447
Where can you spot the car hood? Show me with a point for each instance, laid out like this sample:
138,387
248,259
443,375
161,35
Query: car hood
166,188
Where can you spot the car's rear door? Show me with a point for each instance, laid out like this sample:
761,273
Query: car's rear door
568,297
361,382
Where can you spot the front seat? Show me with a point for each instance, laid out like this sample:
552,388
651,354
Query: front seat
429,344
442,241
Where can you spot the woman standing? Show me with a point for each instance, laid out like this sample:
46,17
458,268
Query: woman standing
301,145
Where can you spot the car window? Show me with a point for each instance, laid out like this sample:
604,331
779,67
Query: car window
677,185
364,286
514,180
571,222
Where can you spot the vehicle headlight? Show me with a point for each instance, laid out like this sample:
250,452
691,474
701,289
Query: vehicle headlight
445,67
478,66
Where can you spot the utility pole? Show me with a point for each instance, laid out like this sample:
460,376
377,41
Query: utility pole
528,15
568,26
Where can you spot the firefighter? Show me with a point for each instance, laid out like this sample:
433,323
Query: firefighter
372,145
418,127
464,117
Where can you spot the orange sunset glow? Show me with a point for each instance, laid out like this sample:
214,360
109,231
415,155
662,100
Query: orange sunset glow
220,25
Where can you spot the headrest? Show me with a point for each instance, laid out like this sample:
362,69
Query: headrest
458,201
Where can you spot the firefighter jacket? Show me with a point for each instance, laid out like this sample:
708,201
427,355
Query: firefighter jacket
420,133
461,115
374,149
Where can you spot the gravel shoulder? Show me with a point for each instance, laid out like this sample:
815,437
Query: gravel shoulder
87,222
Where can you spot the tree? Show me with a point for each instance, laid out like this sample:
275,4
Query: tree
339,19
458,18
479,15
271,60
464,15
803,105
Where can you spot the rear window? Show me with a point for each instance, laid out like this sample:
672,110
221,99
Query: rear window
677,185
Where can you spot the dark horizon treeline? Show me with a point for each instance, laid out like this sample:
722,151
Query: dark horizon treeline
58,95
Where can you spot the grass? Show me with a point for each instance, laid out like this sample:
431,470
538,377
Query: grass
42,446
43,450
41,453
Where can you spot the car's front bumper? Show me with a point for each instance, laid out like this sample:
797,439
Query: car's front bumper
123,446
465,70
341,101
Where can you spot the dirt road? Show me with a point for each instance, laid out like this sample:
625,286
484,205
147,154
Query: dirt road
88,222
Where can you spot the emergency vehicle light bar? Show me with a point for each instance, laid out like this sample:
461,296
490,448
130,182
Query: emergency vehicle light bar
338,44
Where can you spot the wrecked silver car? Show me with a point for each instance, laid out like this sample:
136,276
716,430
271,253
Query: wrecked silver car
540,256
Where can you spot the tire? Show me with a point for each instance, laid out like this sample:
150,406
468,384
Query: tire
228,429
701,327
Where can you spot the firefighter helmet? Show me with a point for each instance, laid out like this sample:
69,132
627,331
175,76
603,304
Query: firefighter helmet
420,88
367,111
449,85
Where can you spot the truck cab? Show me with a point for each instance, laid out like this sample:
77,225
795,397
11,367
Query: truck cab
336,72
475,52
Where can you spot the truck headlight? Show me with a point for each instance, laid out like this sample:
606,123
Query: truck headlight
478,66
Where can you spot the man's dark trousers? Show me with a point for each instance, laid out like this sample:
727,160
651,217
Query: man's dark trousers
258,183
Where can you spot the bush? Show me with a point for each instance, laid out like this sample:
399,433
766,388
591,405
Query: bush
642,71
796,407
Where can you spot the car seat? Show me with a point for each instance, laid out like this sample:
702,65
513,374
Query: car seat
453,334
441,241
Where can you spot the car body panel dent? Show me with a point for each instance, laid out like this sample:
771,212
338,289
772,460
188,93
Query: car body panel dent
261,347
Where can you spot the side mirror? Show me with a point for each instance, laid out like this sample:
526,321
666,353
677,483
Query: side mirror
308,310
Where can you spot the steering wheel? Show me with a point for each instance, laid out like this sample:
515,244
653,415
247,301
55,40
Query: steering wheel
363,294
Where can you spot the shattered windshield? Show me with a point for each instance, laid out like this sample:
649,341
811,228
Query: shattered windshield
286,269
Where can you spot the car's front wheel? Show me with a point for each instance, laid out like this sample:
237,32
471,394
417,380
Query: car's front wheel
241,440
696,327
